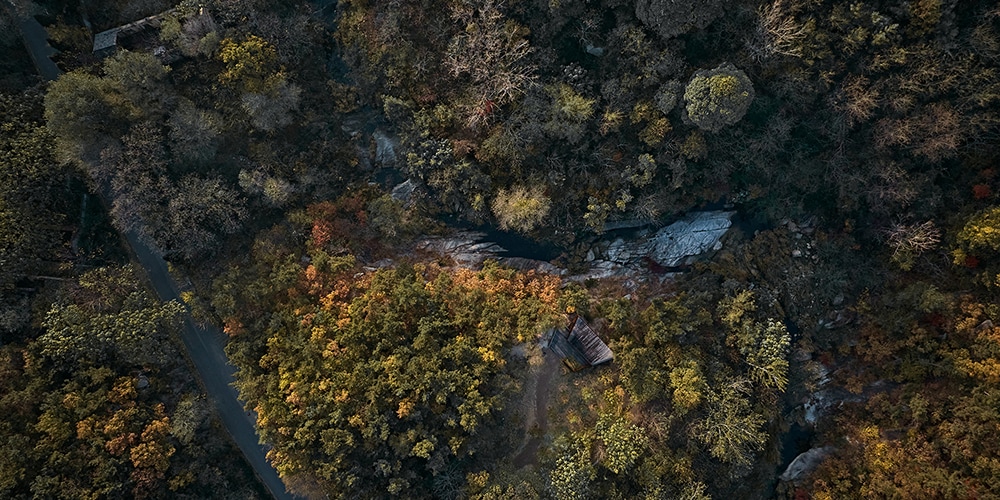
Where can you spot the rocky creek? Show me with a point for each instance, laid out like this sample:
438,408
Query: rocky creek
636,250
643,253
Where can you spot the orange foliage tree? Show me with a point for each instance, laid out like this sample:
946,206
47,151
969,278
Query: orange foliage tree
393,381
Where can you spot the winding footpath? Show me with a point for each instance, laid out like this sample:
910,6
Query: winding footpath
204,344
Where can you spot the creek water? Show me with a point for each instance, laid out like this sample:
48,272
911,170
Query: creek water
797,440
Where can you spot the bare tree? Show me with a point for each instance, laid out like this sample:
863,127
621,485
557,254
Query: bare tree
910,240
491,51
858,99
777,33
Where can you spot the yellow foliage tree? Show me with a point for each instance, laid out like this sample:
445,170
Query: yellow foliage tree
250,65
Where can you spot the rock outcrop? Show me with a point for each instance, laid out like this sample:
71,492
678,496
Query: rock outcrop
696,234
385,149
672,246
805,463
403,192
466,248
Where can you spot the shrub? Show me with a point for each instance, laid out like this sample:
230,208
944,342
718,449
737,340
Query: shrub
521,209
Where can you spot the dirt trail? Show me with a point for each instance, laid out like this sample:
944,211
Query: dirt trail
540,412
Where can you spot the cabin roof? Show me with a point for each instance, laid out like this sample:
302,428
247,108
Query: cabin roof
105,39
580,346
586,341
108,39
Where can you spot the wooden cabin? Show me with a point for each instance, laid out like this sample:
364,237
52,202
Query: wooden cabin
107,41
578,345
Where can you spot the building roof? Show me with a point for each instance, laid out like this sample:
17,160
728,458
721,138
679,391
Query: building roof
580,347
586,341
105,39
109,38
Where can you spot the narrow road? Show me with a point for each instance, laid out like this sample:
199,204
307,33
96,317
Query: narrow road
204,345
36,41
205,349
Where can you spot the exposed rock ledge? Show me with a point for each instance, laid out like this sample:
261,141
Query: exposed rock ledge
674,245
805,463
671,246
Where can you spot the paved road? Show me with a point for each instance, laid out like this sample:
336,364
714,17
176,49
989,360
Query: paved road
36,41
204,348
204,345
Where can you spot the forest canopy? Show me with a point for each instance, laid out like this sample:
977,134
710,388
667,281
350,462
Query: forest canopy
330,183
408,369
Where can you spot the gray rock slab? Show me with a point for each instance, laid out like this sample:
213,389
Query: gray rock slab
403,192
523,264
385,149
805,463
466,248
693,235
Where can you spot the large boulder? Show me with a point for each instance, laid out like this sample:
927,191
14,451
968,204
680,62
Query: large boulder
671,246
693,235
805,463
675,245
385,149
466,248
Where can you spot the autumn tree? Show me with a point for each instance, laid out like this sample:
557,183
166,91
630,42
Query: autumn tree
718,97
136,173
648,365
569,113
30,196
777,32
491,51
763,344
252,69
111,318
192,30
732,430
672,18
186,217
979,236
570,479
79,113
689,385
977,353
459,184
193,132
908,241
86,113
250,65
137,84
623,442
407,367
520,209
201,213
272,110
942,451
89,404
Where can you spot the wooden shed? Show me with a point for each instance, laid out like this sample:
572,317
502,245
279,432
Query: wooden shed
578,346
106,41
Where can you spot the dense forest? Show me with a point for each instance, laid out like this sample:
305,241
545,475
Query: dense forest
309,168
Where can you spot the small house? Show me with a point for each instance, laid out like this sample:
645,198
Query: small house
578,346
107,41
